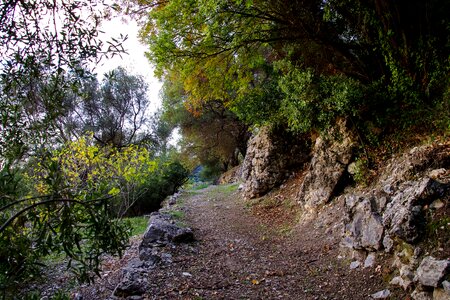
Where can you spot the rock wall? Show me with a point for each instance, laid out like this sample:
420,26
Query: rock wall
231,176
271,157
331,155
392,215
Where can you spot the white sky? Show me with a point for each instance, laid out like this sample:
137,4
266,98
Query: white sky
135,61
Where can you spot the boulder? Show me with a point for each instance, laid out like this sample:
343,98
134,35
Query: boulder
134,281
365,229
331,156
393,208
446,286
271,157
403,215
163,230
369,261
431,271
160,232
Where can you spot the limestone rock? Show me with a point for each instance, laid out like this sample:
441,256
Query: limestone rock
403,214
231,176
271,156
354,265
404,283
162,230
134,281
394,206
365,230
381,294
418,161
388,243
437,204
370,260
405,279
331,156
432,271
446,286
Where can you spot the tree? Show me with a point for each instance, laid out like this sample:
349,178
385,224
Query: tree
47,48
222,49
115,110
212,134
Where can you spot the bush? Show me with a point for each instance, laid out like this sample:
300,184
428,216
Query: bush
164,181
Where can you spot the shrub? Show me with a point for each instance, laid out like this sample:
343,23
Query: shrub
164,181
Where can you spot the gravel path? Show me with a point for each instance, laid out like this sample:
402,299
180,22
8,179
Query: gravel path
259,249
241,252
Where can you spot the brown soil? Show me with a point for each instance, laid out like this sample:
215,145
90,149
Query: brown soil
260,249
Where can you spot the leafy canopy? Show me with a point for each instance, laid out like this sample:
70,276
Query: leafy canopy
378,60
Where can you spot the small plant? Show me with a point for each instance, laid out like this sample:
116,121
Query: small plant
361,173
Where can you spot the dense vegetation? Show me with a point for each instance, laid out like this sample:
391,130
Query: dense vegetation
300,65
76,154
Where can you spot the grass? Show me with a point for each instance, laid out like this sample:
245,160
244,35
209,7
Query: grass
223,190
228,188
197,186
176,214
138,225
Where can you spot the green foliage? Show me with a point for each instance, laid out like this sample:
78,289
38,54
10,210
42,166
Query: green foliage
84,168
114,110
212,133
211,171
311,101
176,214
47,47
71,207
60,192
383,65
138,225
361,173
164,181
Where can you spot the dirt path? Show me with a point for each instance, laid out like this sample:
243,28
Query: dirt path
240,254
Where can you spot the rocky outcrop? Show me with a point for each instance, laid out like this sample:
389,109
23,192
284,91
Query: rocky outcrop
431,271
331,155
392,208
393,212
162,230
161,236
365,231
271,157
231,176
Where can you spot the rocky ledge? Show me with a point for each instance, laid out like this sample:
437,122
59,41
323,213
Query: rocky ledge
162,236
406,213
